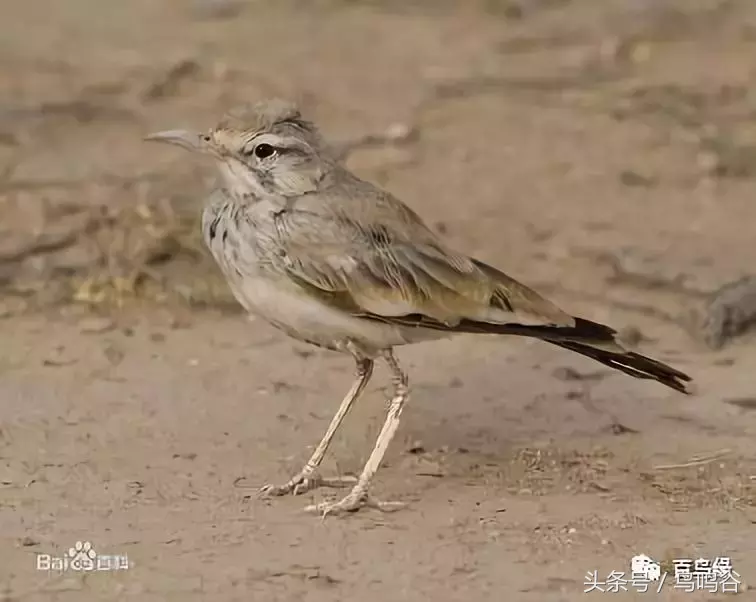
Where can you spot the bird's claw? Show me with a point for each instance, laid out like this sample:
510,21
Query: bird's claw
302,483
351,503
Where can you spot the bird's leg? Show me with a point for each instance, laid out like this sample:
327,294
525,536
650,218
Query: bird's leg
307,478
359,497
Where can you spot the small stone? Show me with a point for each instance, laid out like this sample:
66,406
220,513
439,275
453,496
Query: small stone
179,322
28,542
113,355
416,448
399,132
567,373
59,359
708,161
630,336
216,9
634,179
745,403
728,313
96,325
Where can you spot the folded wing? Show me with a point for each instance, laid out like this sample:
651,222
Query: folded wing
406,276
374,272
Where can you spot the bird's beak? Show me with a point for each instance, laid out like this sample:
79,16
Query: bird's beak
188,140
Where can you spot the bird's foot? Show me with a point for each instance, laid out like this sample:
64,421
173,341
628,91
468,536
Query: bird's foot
352,502
303,482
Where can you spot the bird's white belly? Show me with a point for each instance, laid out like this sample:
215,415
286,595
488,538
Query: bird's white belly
290,309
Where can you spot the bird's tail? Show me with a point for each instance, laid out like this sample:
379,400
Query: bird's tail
592,340
631,363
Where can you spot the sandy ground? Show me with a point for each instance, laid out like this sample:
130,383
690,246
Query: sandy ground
601,152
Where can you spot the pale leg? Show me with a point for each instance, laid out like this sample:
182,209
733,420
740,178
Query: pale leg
359,497
306,479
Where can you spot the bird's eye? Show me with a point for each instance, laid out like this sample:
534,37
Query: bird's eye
263,151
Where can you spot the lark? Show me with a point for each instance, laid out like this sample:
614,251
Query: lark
334,261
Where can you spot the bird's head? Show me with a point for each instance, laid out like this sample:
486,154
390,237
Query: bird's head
262,150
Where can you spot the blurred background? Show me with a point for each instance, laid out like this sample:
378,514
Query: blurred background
540,129
603,151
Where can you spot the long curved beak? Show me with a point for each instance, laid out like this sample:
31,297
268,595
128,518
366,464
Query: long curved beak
189,140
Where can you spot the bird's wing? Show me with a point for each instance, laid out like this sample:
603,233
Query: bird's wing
400,273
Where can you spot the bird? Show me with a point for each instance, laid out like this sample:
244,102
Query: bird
333,260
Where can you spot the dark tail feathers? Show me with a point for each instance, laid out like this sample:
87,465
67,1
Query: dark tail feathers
631,363
586,338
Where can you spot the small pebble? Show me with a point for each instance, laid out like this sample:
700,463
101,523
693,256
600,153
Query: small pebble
113,354
630,335
28,542
399,132
567,373
96,325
